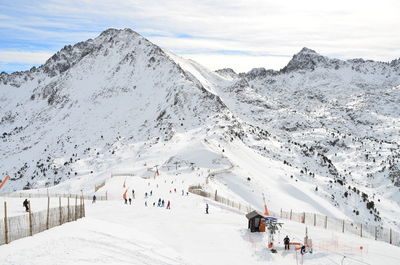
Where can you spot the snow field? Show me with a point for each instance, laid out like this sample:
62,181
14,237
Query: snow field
115,233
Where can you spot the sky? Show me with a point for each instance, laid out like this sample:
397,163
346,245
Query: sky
218,34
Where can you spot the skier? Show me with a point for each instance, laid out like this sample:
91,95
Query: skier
145,203
206,208
159,202
145,195
286,241
26,205
183,192
151,193
169,205
130,201
162,203
125,199
303,250
94,199
133,193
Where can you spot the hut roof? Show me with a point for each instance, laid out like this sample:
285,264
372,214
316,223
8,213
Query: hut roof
253,214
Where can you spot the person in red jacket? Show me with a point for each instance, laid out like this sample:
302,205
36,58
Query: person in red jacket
169,205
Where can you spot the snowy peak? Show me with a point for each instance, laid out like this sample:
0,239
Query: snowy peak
227,73
307,51
308,59
260,72
70,55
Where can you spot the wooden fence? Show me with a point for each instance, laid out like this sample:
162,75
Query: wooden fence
31,223
313,219
214,196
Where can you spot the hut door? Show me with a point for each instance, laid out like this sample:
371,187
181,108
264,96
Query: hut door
257,224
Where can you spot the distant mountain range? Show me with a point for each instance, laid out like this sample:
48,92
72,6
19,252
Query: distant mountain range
330,123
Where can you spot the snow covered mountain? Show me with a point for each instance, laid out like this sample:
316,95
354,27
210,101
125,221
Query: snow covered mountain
319,135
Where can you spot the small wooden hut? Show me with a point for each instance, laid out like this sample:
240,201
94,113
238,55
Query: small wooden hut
256,221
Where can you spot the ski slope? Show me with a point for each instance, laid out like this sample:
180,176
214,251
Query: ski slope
115,233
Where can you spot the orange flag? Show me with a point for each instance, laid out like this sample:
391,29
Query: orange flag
4,181
124,196
266,212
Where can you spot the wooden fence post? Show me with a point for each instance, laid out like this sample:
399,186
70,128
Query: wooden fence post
376,232
59,206
76,207
361,230
68,210
343,226
83,207
30,218
390,236
315,219
290,214
5,223
281,213
48,213
326,222
304,217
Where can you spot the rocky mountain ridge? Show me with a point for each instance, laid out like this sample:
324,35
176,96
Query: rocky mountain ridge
329,123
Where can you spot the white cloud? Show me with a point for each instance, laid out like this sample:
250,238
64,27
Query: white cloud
346,29
24,57
239,63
